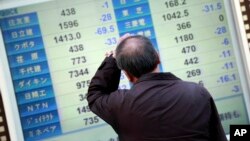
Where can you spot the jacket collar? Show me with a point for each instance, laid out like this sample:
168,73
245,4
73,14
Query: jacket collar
157,76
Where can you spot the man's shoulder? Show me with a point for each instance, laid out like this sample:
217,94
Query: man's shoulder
190,84
197,88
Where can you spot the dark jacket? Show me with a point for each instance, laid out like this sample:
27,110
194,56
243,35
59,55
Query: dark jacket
158,107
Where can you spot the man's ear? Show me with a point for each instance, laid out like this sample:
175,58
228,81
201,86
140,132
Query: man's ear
158,58
130,77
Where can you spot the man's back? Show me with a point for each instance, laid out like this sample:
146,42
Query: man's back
159,106
162,107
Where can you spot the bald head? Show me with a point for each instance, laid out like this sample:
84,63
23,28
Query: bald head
131,45
136,55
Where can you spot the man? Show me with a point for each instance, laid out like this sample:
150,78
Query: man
159,106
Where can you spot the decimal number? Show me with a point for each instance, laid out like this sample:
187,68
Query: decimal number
68,12
175,15
105,30
78,60
227,78
191,61
175,3
91,120
67,37
76,48
82,84
212,7
83,109
193,73
68,24
78,73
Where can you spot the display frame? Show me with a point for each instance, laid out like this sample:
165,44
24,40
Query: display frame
9,98
242,37
7,88
243,51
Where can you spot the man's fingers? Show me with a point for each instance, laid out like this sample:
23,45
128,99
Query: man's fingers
124,37
107,54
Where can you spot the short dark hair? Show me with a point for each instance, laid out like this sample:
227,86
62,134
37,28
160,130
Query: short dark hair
139,59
